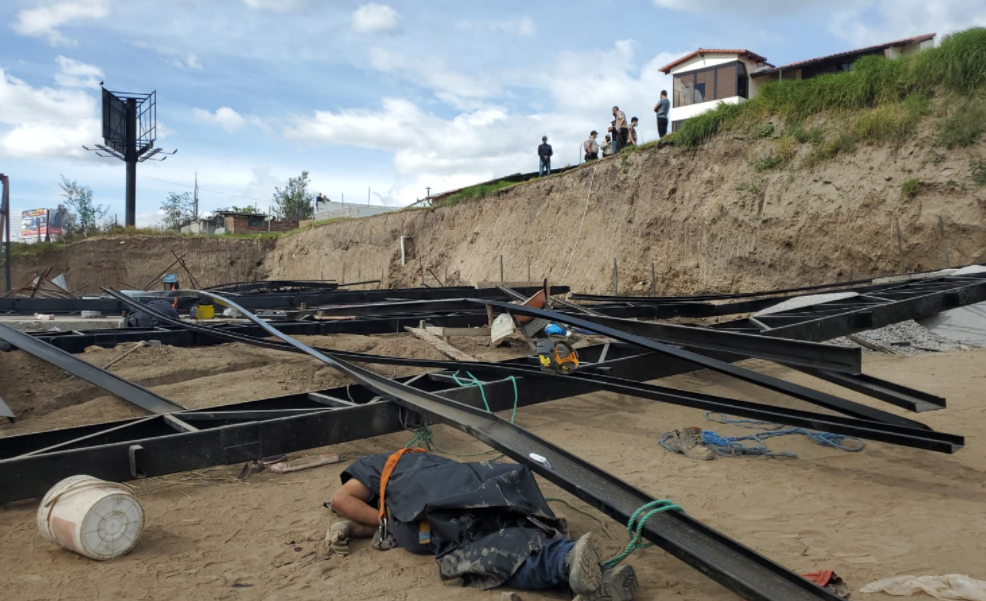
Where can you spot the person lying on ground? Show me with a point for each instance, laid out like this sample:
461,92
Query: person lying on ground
486,523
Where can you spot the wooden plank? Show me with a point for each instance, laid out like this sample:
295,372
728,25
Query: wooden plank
443,347
446,332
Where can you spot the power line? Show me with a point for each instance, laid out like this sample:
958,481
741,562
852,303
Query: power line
204,189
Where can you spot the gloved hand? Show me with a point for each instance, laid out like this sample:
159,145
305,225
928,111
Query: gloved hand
337,538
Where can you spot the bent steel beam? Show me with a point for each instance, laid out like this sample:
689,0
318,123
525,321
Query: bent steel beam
116,385
795,390
781,350
733,565
922,438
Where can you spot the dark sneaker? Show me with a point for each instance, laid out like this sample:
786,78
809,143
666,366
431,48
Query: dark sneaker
619,584
584,573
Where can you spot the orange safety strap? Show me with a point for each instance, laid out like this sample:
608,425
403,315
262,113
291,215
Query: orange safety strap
388,469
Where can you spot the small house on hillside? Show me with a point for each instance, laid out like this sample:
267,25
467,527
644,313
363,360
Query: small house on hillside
706,77
250,223
843,61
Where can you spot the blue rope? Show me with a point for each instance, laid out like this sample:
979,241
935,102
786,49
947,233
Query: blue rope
735,445
754,444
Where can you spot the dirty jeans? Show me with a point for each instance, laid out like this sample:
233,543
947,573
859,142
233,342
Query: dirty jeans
544,168
544,569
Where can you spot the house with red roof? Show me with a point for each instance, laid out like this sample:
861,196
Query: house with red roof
706,77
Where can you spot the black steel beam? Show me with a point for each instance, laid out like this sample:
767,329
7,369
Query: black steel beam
599,380
739,568
262,301
895,394
825,321
781,350
124,389
795,390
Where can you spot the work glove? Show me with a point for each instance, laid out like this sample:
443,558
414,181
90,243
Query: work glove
337,538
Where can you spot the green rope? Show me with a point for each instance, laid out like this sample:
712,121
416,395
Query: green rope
424,437
635,529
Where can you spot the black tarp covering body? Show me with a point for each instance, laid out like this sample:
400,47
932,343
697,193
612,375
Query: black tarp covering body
485,518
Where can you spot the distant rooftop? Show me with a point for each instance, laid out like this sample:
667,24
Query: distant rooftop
812,61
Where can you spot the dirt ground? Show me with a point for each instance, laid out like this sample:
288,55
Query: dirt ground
880,512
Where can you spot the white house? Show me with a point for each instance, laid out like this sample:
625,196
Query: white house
706,77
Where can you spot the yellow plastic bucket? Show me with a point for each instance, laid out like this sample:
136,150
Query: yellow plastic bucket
98,519
205,312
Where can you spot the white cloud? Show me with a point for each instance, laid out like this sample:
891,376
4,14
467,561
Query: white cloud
521,26
276,5
374,18
45,122
888,20
75,74
44,20
224,117
187,61
452,87
486,141
756,7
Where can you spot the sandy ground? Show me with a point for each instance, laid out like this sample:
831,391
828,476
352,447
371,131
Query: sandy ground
881,512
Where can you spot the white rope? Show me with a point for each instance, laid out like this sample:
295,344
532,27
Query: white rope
578,235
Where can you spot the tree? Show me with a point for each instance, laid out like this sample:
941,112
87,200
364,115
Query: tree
177,210
295,201
79,199
235,209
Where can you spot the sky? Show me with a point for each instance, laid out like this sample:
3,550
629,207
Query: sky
379,99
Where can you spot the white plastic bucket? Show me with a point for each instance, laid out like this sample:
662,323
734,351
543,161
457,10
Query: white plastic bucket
92,517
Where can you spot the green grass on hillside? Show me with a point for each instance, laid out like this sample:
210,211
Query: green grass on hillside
474,193
899,88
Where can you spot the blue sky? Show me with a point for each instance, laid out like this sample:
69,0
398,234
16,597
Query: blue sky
393,96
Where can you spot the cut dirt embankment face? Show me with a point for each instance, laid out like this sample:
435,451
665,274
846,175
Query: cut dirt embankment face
126,261
708,220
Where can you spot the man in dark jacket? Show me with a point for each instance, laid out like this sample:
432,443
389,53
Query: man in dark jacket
544,157
486,523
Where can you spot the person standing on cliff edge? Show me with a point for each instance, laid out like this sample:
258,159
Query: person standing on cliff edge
662,108
544,157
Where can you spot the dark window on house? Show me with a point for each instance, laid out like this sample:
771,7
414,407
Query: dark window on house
845,66
742,81
712,83
255,222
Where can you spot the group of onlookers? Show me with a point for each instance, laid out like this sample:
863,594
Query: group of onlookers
622,134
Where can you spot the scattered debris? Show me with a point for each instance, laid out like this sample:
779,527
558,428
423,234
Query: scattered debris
296,465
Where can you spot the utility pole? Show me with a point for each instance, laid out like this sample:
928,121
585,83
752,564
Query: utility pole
428,190
368,196
195,206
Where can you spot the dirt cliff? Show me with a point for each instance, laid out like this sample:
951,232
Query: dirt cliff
707,219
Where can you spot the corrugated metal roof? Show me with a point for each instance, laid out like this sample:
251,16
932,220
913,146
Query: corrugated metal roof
752,55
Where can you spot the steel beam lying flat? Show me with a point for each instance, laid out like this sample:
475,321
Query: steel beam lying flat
264,301
780,350
895,394
733,565
893,304
588,379
795,390
124,389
